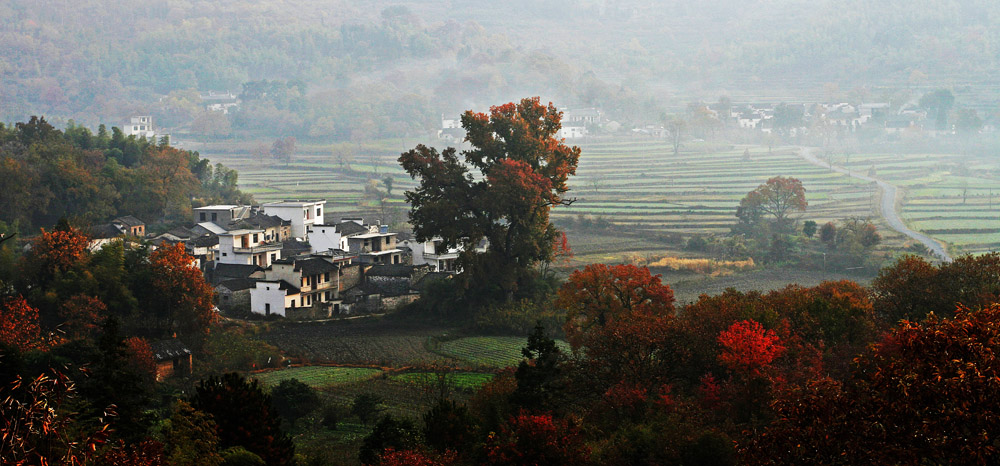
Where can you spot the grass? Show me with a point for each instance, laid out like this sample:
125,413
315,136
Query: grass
318,377
457,380
495,352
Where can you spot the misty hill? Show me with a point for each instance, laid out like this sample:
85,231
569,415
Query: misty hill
367,69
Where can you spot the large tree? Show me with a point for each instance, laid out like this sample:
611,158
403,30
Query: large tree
777,198
514,173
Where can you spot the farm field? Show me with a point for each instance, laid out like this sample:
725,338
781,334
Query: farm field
951,197
318,377
635,185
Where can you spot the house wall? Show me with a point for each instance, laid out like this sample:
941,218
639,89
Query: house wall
268,293
324,238
350,276
301,216
395,303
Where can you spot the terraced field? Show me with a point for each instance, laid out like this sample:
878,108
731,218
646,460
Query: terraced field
951,197
636,184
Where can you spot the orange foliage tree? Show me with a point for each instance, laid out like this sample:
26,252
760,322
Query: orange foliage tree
141,355
925,395
748,348
82,316
19,324
182,297
58,250
601,294
536,439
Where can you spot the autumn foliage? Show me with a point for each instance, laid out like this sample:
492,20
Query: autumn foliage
537,440
747,348
19,324
184,298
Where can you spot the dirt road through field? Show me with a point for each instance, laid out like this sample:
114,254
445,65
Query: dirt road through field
888,204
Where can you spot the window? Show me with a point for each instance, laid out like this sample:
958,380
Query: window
256,238
319,212
254,260
215,216
224,254
273,256
293,303
326,276
203,216
267,308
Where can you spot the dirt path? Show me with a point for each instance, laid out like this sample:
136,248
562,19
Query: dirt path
888,205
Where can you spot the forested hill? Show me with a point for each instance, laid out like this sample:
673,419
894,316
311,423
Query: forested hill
369,68
47,174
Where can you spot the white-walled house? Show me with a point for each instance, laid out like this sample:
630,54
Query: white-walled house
273,297
432,253
220,214
139,126
302,214
377,246
324,238
247,247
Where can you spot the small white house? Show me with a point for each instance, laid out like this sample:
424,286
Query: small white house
302,214
247,247
432,253
273,297
139,126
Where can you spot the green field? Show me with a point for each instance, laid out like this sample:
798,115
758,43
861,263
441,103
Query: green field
318,377
497,352
457,380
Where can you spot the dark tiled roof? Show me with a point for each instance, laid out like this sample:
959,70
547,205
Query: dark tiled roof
314,266
106,230
181,232
390,271
129,220
169,349
227,271
204,241
351,228
258,221
294,247
238,284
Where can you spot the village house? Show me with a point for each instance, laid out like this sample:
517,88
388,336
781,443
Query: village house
220,214
234,294
220,101
172,357
433,254
121,227
314,281
247,247
139,126
302,214
376,246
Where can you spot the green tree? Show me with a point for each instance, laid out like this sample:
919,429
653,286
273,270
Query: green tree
244,417
294,399
938,101
389,432
502,192
190,437
809,228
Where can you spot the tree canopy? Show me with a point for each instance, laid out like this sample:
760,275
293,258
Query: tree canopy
514,173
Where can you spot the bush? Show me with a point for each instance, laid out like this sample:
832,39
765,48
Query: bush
696,243
332,415
367,407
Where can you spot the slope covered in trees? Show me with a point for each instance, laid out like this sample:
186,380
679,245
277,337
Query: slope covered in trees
47,174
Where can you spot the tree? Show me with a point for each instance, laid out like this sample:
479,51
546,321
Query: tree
968,121
828,233
809,228
190,437
293,399
389,432
747,348
283,148
181,297
777,198
367,407
19,324
906,402
538,374
599,294
502,192
538,440
244,417
448,426
938,101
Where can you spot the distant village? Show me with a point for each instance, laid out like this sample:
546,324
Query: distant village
283,259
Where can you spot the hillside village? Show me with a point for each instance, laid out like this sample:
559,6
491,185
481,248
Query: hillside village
284,259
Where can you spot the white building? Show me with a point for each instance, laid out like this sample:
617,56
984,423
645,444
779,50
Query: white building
140,126
220,214
247,247
302,214
432,253
324,238
273,297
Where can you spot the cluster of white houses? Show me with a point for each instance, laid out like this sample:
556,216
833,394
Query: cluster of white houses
282,258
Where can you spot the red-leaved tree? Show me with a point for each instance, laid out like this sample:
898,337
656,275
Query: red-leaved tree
19,324
184,300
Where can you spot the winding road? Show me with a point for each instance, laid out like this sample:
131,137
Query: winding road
888,205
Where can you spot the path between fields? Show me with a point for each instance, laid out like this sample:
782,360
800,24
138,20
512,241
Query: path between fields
888,205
